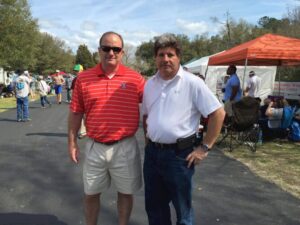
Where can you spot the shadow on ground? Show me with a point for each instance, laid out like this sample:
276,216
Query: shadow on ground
29,219
48,134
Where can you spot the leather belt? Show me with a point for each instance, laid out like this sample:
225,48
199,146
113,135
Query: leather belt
181,143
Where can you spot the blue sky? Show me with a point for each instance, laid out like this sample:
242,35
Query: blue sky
83,21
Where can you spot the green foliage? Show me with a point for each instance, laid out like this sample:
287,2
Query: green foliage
84,57
19,33
53,54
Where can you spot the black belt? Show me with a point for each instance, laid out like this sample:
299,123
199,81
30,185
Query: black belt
181,143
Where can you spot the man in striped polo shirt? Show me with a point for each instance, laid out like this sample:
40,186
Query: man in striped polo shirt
109,95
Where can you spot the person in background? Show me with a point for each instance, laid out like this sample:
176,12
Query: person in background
58,81
108,95
21,85
233,91
297,112
31,86
82,131
253,85
68,85
173,101
43,89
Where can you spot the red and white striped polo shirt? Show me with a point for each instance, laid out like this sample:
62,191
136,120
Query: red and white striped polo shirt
111,106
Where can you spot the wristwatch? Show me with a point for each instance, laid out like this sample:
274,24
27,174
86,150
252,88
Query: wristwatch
205,147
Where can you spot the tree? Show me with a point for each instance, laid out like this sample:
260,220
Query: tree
84,57
128,57
145,58
19,34
96,58
53,54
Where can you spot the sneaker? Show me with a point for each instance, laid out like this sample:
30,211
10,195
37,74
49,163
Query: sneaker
59,103
43,107
19,120
27,120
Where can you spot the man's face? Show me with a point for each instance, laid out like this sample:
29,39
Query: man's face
109,51
167,62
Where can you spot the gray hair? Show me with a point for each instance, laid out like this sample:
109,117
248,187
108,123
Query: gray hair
167,40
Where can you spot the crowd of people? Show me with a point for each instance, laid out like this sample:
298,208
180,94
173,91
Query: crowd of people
25,87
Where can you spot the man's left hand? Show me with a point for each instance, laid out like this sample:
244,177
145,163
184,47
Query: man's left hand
196,156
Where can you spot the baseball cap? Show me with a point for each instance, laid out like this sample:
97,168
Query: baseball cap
78,68
251,73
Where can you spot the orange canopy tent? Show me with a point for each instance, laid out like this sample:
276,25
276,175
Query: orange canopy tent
267,50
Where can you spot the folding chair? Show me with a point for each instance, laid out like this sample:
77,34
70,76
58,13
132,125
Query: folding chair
242,127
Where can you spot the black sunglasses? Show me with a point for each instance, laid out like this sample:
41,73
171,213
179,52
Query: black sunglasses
108,48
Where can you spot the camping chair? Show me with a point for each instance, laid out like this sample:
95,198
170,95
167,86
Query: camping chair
242,127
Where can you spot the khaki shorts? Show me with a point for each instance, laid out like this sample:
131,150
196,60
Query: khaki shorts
119,163
228,108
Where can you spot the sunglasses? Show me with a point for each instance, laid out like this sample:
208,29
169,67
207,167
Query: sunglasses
108,48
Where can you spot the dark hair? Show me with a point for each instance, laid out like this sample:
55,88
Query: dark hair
109,33
167,40
233,68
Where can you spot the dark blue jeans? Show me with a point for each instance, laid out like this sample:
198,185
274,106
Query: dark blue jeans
167,179
22,108
43,100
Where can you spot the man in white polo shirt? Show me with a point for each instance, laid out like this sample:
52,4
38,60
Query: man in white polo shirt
173,102
253,85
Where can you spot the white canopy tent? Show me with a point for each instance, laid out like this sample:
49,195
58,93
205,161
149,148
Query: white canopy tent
215,76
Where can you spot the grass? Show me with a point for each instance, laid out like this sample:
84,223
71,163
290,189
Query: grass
7,103
277,161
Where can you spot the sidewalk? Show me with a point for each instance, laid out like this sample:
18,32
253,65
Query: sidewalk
40,186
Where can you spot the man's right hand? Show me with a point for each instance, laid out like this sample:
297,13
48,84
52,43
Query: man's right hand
74,152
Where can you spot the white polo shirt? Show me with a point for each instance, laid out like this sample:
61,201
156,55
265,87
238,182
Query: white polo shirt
174,107
253,84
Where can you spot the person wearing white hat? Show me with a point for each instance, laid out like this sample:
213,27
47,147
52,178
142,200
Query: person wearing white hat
253,85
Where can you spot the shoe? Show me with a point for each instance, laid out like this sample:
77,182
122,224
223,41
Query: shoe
50,105
19,120
59,103
26,120
43,107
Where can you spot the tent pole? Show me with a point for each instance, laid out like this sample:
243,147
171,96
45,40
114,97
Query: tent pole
243,88
205,72
279,75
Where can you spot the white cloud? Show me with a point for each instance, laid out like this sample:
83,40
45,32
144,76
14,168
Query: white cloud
192,27
89,25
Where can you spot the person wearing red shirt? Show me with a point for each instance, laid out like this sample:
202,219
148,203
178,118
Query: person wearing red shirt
108,95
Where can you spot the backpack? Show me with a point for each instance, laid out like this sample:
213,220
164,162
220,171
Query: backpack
294,134
20,85
287,117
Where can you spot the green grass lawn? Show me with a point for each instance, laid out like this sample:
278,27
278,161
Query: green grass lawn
7,103
277,161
